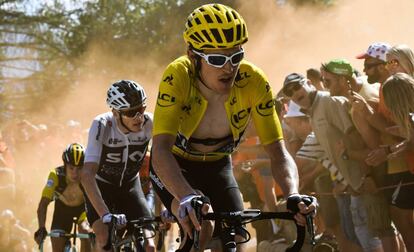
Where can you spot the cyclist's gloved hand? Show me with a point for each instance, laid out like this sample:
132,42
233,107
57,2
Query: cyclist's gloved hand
185,205
40,235
294,199
120,219
167,216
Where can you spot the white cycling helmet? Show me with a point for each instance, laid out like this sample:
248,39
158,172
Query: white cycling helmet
125,94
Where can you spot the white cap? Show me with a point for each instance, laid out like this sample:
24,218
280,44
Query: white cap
376,50
293,111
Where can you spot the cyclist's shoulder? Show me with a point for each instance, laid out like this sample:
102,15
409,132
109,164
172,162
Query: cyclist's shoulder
103,120
249,75
180,64
178,73
104,117
52,180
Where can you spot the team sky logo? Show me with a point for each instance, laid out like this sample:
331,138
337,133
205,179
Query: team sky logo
240,119
266,108
242,79
169,80
165,100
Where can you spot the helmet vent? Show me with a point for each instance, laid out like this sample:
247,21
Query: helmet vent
229,34
238,31
234,15
197,20
218,19
189,24
200,39
195,38
228,16
207,36
216,7
208,19
216,35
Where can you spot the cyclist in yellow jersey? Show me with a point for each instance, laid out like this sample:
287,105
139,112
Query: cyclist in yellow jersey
63,186
205,101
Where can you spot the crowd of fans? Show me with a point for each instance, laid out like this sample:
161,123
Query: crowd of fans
351,136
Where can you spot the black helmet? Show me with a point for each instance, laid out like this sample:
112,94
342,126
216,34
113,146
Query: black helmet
74,154
125,94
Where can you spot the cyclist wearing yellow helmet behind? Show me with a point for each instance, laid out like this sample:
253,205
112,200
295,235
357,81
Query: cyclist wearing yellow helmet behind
63,186
205,101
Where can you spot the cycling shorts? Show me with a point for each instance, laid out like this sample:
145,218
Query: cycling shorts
63,216
214,179
128,199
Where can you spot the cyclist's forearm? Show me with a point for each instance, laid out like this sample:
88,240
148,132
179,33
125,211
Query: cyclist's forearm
170,174
42,212
269,194
283,167
92,191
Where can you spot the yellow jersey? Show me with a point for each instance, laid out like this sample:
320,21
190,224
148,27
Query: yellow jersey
180,108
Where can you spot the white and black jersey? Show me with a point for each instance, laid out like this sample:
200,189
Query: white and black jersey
118,155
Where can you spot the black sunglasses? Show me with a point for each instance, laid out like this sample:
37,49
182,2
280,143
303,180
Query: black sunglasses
369,66
133,113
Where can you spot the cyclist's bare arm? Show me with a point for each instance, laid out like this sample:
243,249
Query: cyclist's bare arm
92,191
283,167
42,211
167,167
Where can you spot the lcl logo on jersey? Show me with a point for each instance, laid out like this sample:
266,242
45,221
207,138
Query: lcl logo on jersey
239,119
168,80
266,108
241,79
117,157
165,100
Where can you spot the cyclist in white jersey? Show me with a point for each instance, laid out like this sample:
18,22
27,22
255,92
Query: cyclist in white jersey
117,143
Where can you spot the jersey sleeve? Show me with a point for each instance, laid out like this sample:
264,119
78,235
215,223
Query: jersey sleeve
51,184
170,101
264,114
94,147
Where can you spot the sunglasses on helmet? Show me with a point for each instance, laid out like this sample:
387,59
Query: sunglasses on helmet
219,60
134,112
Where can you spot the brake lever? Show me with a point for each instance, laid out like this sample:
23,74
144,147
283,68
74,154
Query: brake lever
310,228
197,204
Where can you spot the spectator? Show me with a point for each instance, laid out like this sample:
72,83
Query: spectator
315,78
339,74
331,122
396,165
13,236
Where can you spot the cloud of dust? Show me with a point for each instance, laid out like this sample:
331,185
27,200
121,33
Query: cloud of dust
292,39
282,39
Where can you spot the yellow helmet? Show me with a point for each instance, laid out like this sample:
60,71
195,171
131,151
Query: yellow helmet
74,154
215,26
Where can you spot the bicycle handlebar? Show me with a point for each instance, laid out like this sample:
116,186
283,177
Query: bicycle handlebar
78,235
138,223
239,218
